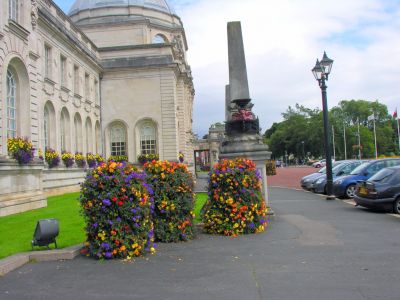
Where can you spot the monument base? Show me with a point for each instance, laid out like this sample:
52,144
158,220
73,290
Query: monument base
249,146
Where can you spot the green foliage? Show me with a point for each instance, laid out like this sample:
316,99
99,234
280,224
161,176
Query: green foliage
118,158
235,205
117,210
172,184
16,231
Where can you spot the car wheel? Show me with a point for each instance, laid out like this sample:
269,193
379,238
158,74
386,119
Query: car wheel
350,190
396,206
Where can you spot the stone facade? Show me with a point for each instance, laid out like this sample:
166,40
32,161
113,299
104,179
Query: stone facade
107,79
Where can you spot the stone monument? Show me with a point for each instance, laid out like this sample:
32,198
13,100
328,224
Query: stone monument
242,130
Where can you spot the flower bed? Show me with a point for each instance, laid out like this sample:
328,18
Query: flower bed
172,184
117,209
80,160
52,158
21,150
68,159
91,160
144,158
118,158
235,205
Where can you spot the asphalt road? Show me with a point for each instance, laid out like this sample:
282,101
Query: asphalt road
313,249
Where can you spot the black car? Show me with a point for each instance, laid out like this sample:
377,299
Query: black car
381,191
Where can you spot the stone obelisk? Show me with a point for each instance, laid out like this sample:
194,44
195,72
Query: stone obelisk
242,129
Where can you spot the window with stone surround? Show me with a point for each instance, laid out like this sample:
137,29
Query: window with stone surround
159,39
87,87
13,10
96,92
89,137
78,132
76,79
118,139
63,129
47,61
11,104
49,125
98,137
148,140
46,130
63,71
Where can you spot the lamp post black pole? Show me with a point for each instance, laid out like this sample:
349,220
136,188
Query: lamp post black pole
328,156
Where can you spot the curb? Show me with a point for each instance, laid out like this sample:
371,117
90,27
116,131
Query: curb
15,261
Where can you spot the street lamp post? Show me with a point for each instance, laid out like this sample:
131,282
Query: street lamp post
321,72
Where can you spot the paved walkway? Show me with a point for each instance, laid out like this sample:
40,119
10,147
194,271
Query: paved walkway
290,176
313,249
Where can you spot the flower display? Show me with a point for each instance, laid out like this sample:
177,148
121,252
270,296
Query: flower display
52,158
99,159
41,155
117,207
144,158
21,149
181,157
80,160
91,160
118,158
172,184
235,205
67,158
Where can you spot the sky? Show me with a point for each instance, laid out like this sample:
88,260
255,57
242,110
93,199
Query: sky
282,40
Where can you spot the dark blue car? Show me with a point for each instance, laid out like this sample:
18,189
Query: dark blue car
345,186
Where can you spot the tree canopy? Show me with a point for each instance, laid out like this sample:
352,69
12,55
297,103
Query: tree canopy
301,132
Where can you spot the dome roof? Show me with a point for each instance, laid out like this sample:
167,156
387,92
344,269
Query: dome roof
160,5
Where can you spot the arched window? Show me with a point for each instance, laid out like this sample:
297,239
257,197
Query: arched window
98,138
46,124
89,138
63,128
11,105
13,9
118,139
78,132
159,39
148,140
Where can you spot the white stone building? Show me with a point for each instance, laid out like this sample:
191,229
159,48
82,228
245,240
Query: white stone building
111,77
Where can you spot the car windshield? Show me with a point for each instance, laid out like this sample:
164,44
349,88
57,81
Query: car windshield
361,167
322,171
382,176
338,168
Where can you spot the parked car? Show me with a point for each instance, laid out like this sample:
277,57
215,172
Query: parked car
306,181
342,169
381,191
345,186
321,163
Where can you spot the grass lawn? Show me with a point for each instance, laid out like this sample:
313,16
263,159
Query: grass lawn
16,231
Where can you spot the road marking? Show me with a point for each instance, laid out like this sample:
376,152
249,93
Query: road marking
394,215
350,201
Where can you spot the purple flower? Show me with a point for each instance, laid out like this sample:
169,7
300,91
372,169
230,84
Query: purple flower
105,246
110,222
106,202
252,225
108,255
119,219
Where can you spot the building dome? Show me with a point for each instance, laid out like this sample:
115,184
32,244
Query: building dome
82,5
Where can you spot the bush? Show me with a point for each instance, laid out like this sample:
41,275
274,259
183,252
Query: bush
235,205
270,167
52,158
172,184
67,158
117,209
21,150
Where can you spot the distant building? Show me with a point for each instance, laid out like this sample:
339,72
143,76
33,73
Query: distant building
207,149
111,77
